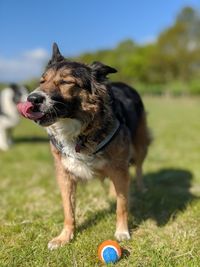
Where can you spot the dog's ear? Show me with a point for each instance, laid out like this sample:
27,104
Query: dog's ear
56,55
14,86
100,71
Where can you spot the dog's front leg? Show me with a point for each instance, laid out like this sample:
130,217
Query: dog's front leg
121,183
67,187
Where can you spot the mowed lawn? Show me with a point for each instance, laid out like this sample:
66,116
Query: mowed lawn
164,221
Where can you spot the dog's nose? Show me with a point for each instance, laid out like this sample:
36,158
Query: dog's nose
36,98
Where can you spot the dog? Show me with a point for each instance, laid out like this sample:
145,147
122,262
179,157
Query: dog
96,128
9,116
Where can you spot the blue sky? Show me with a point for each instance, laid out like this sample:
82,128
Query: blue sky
29,27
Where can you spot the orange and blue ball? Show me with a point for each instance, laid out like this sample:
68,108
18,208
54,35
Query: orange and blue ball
109,251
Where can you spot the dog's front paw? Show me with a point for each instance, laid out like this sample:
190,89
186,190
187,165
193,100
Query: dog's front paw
56,243
60,240
122,235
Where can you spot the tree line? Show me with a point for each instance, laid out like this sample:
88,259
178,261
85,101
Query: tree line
169,65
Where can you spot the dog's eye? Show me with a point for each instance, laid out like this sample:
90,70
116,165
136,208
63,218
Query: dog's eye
42,80
62,82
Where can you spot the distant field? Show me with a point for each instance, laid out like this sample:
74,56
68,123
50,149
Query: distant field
164,222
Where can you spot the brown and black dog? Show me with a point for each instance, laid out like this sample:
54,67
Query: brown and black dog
97,129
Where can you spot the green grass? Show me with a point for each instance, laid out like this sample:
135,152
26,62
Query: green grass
164,222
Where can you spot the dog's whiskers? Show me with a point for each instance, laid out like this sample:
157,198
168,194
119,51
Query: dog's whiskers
54,110
58,102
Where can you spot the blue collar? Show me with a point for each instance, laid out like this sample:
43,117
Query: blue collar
105,142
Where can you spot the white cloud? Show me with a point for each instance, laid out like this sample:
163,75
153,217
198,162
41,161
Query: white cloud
25,66
36,54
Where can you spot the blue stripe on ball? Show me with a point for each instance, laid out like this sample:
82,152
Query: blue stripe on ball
110,254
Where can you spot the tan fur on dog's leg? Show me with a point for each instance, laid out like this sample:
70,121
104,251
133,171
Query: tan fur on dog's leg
67,187
121,183
112,191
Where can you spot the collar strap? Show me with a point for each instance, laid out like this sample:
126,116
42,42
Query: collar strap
59,146
105,142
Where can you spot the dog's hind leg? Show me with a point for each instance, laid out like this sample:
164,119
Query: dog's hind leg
9,137
112,191
67,187
141,141
4,144
139,177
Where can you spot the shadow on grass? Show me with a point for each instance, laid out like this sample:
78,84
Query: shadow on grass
96,217
31,139
168,192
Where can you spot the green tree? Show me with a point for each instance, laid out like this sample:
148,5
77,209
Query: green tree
178,53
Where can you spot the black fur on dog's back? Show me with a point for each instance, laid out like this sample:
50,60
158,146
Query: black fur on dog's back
127,105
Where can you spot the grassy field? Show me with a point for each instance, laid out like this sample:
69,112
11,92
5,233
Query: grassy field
164,221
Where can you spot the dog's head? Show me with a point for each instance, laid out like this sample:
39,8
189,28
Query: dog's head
69,90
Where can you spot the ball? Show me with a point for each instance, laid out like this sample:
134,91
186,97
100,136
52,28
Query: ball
109,251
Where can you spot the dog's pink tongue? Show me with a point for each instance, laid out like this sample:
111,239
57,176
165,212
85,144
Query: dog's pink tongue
26,110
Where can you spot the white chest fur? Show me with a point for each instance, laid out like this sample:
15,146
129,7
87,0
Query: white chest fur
81,165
